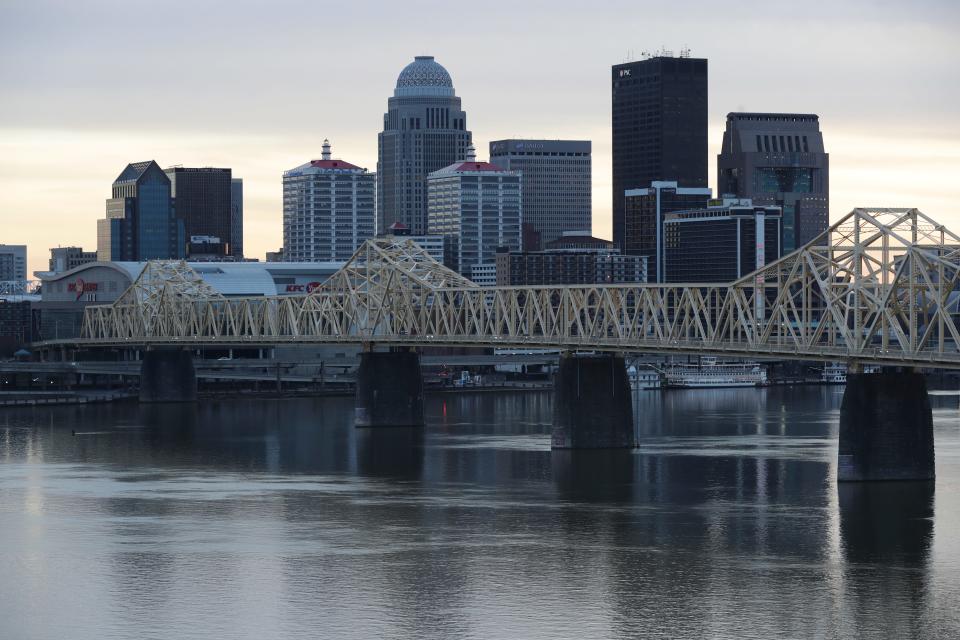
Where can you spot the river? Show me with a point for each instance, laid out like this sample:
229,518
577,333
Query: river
257,518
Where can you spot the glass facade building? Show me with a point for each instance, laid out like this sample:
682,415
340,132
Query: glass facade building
140,223
424,130
659,128
202,199
721,243
644,213
778,159
236,216
556,184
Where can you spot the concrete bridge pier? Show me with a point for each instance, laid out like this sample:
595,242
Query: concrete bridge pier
592,403
167,375
886,428
389,390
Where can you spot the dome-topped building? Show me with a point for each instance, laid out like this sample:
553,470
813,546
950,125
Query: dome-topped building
424,129
424,77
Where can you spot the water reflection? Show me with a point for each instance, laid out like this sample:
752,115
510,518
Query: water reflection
254,518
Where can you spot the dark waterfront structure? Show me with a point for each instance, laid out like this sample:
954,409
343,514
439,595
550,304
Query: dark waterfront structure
203,199
721,243
659,127
19,323
778,159
556,184
140,222
424,130
645,210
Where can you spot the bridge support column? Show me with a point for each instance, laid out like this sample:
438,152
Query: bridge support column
167,375
886,428
389,390
592,403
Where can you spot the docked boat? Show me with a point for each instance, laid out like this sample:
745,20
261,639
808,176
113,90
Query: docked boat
710,373
836,372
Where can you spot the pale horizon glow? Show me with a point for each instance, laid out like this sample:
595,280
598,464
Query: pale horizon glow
257,88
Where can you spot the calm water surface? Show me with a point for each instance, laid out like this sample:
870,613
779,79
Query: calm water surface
276,519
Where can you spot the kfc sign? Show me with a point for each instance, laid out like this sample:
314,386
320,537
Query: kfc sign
302,288
81,287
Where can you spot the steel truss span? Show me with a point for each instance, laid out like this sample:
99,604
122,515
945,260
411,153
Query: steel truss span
880,285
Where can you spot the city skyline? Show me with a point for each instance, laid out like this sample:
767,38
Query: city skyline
888,116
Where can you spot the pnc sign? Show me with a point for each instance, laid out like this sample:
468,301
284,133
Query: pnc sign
302,288
80,287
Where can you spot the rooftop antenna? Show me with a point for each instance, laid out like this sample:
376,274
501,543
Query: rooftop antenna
326,149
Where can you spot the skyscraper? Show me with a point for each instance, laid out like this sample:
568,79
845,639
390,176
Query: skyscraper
202,198
328,209
778,159
140,223
66,258
477,208
236,216
424,130
556,183
659,127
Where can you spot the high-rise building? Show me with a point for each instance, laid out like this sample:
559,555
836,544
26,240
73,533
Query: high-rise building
236,216
659,127
66,258
778,159
140,222
202,198
328,209
556,183
722,242
568,266
433,245
644,213
13,262
477,208
424,130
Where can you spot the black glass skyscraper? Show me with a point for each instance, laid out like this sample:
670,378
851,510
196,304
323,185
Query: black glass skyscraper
659,127
424,130
202,199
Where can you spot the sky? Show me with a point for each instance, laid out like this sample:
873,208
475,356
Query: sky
87,87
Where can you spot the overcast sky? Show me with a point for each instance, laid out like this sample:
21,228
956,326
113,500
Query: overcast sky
86,87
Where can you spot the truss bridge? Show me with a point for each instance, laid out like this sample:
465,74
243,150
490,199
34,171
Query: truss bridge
879,286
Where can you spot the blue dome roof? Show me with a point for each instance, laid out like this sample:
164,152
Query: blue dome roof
424,77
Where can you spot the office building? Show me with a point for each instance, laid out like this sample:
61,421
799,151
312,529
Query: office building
328,209
778,159
569,267
236,217
202,198
476,207
13,262
484,275
140,223
66,258
556,184
424,130
644,213
659,127
721,243
432,244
